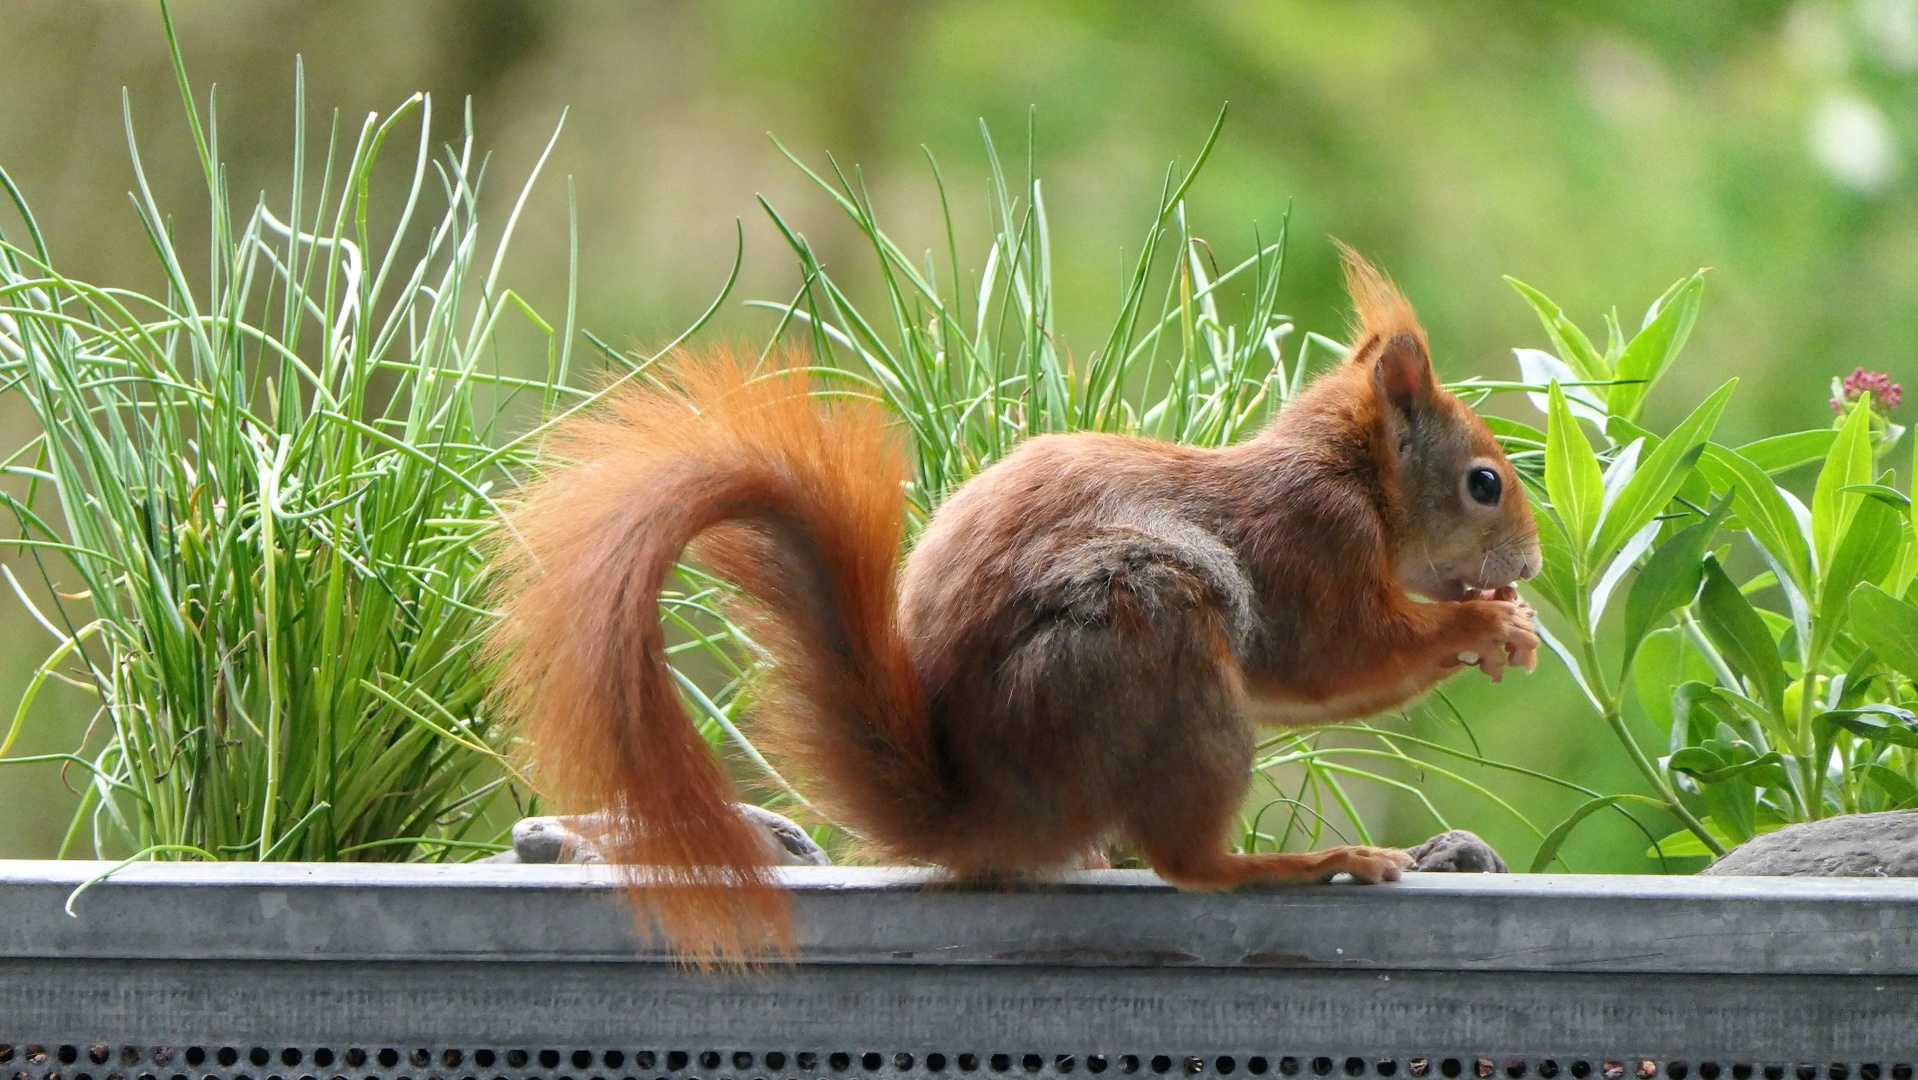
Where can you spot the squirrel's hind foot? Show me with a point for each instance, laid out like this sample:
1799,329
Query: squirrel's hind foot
1366,865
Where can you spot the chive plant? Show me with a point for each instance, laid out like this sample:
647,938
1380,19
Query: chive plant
269,482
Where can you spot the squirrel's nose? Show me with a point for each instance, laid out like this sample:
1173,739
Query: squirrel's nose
1534,562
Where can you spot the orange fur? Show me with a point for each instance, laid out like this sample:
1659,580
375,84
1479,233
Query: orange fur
813,518
1077,651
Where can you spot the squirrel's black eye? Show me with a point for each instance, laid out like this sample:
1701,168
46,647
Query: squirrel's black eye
1484,486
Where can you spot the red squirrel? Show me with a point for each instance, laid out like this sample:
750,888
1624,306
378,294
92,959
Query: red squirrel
1078,650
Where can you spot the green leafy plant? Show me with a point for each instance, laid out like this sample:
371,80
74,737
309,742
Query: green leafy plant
269,485
1774,715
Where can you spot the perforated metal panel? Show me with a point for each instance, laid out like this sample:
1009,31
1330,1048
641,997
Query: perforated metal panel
524,973
102,1062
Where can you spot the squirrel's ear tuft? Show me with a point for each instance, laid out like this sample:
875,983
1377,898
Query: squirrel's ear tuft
1403,373
1382,311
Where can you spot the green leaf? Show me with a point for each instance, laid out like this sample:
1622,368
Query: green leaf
1888,625
1644,496
1897,789
1557,580
1548,848
1905,570
1740,636
1847,464
1685,844
1666,660
1878,723
1761,510
1696,713
1572,345
1781,453
1710,765
1621,431
1669,579
1652,351
1883,493
1572,477
1858,679
1514,435
1865,553
1693,760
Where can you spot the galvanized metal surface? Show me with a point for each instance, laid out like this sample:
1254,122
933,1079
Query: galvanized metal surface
460,971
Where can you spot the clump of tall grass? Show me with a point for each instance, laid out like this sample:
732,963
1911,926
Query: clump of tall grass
269,482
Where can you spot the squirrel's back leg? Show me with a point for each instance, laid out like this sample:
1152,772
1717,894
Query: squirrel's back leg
1124,656
1185,836
1154,638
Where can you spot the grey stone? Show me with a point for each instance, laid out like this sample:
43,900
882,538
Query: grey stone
575,839
1457,852
795,847
554,840
1854,845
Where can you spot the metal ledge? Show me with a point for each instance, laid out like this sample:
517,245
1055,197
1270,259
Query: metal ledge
1124,918
370,972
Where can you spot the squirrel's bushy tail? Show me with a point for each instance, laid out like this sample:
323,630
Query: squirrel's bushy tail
798,505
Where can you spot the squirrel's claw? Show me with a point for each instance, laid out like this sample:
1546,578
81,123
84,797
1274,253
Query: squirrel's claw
1511,640
1368,865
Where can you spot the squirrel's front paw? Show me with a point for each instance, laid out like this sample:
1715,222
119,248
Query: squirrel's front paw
1509,639
1367,865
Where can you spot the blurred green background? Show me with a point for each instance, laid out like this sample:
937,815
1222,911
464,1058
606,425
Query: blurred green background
1598,152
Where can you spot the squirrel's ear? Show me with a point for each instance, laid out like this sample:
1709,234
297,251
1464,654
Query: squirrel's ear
1403,372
